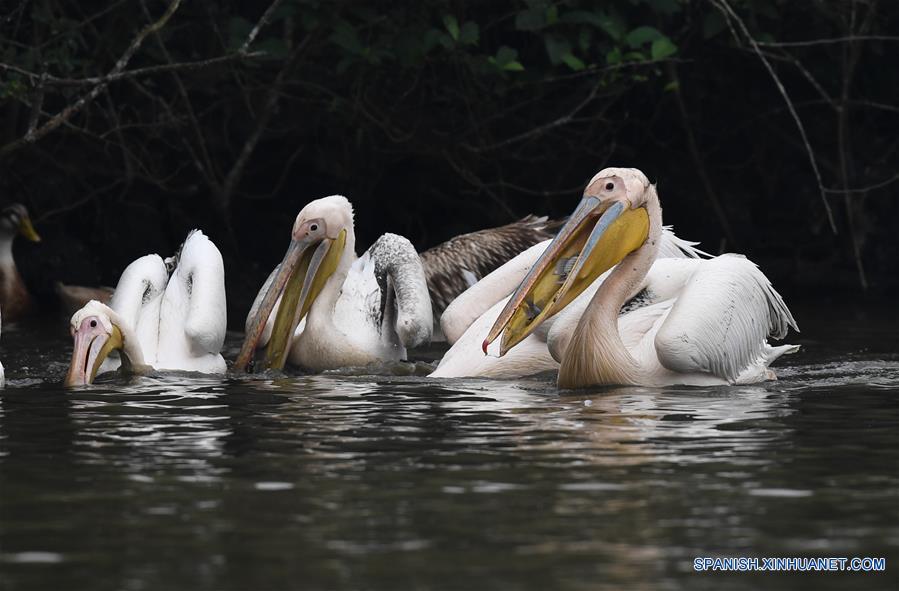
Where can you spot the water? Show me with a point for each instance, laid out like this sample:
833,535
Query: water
400,482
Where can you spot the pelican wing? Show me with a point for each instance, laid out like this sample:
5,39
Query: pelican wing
720,321
404,300
460,262
138,299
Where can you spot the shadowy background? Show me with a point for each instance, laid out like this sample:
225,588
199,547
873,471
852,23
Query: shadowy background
770,126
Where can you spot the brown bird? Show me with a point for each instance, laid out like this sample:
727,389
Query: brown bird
74,297
460,262
15,300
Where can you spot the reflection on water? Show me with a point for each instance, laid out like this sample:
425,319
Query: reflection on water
396,482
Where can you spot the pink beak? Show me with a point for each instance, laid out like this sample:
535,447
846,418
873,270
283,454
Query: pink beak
88,344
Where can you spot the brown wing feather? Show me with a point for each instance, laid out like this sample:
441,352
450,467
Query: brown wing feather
73,297
479,253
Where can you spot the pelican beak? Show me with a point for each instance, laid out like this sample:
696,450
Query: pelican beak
90,351
27,230
596,237
302,274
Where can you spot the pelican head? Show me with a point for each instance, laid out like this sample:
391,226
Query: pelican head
610,222
317,242
15,220
96,333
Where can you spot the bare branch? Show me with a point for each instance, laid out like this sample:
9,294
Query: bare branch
833,41
271,103
541,129
263,21
67,113
135,73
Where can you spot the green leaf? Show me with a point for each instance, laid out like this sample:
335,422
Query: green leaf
662,48
452,26
505,55
672,86
613,57
530,19
611,24
469,34
633,56
573,62
642,35
556,47
506,59
552,15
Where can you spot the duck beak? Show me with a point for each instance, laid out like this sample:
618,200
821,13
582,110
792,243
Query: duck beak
27,230
302,274
89,353
596,237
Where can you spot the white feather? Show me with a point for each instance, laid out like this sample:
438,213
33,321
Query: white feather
477,309
178,322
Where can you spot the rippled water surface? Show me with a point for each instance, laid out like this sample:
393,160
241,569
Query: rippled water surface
401,482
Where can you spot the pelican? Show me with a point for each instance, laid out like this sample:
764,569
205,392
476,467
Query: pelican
14,297
707,325
165,315
468,319
323,308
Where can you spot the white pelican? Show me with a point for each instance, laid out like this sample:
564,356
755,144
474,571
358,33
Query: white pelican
14,297
469,318
346,311
708,323
165,314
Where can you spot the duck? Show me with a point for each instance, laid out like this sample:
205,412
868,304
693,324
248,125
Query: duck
15,301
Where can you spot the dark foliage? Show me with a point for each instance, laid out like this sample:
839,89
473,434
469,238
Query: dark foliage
443,117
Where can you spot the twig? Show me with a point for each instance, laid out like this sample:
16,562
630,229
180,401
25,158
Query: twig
541,129
137,72
873,187
263,21
847,39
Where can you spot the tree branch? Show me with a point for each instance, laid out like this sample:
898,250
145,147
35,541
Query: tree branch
67,113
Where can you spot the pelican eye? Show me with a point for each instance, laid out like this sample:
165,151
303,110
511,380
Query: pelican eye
93,324
610,186
313,227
